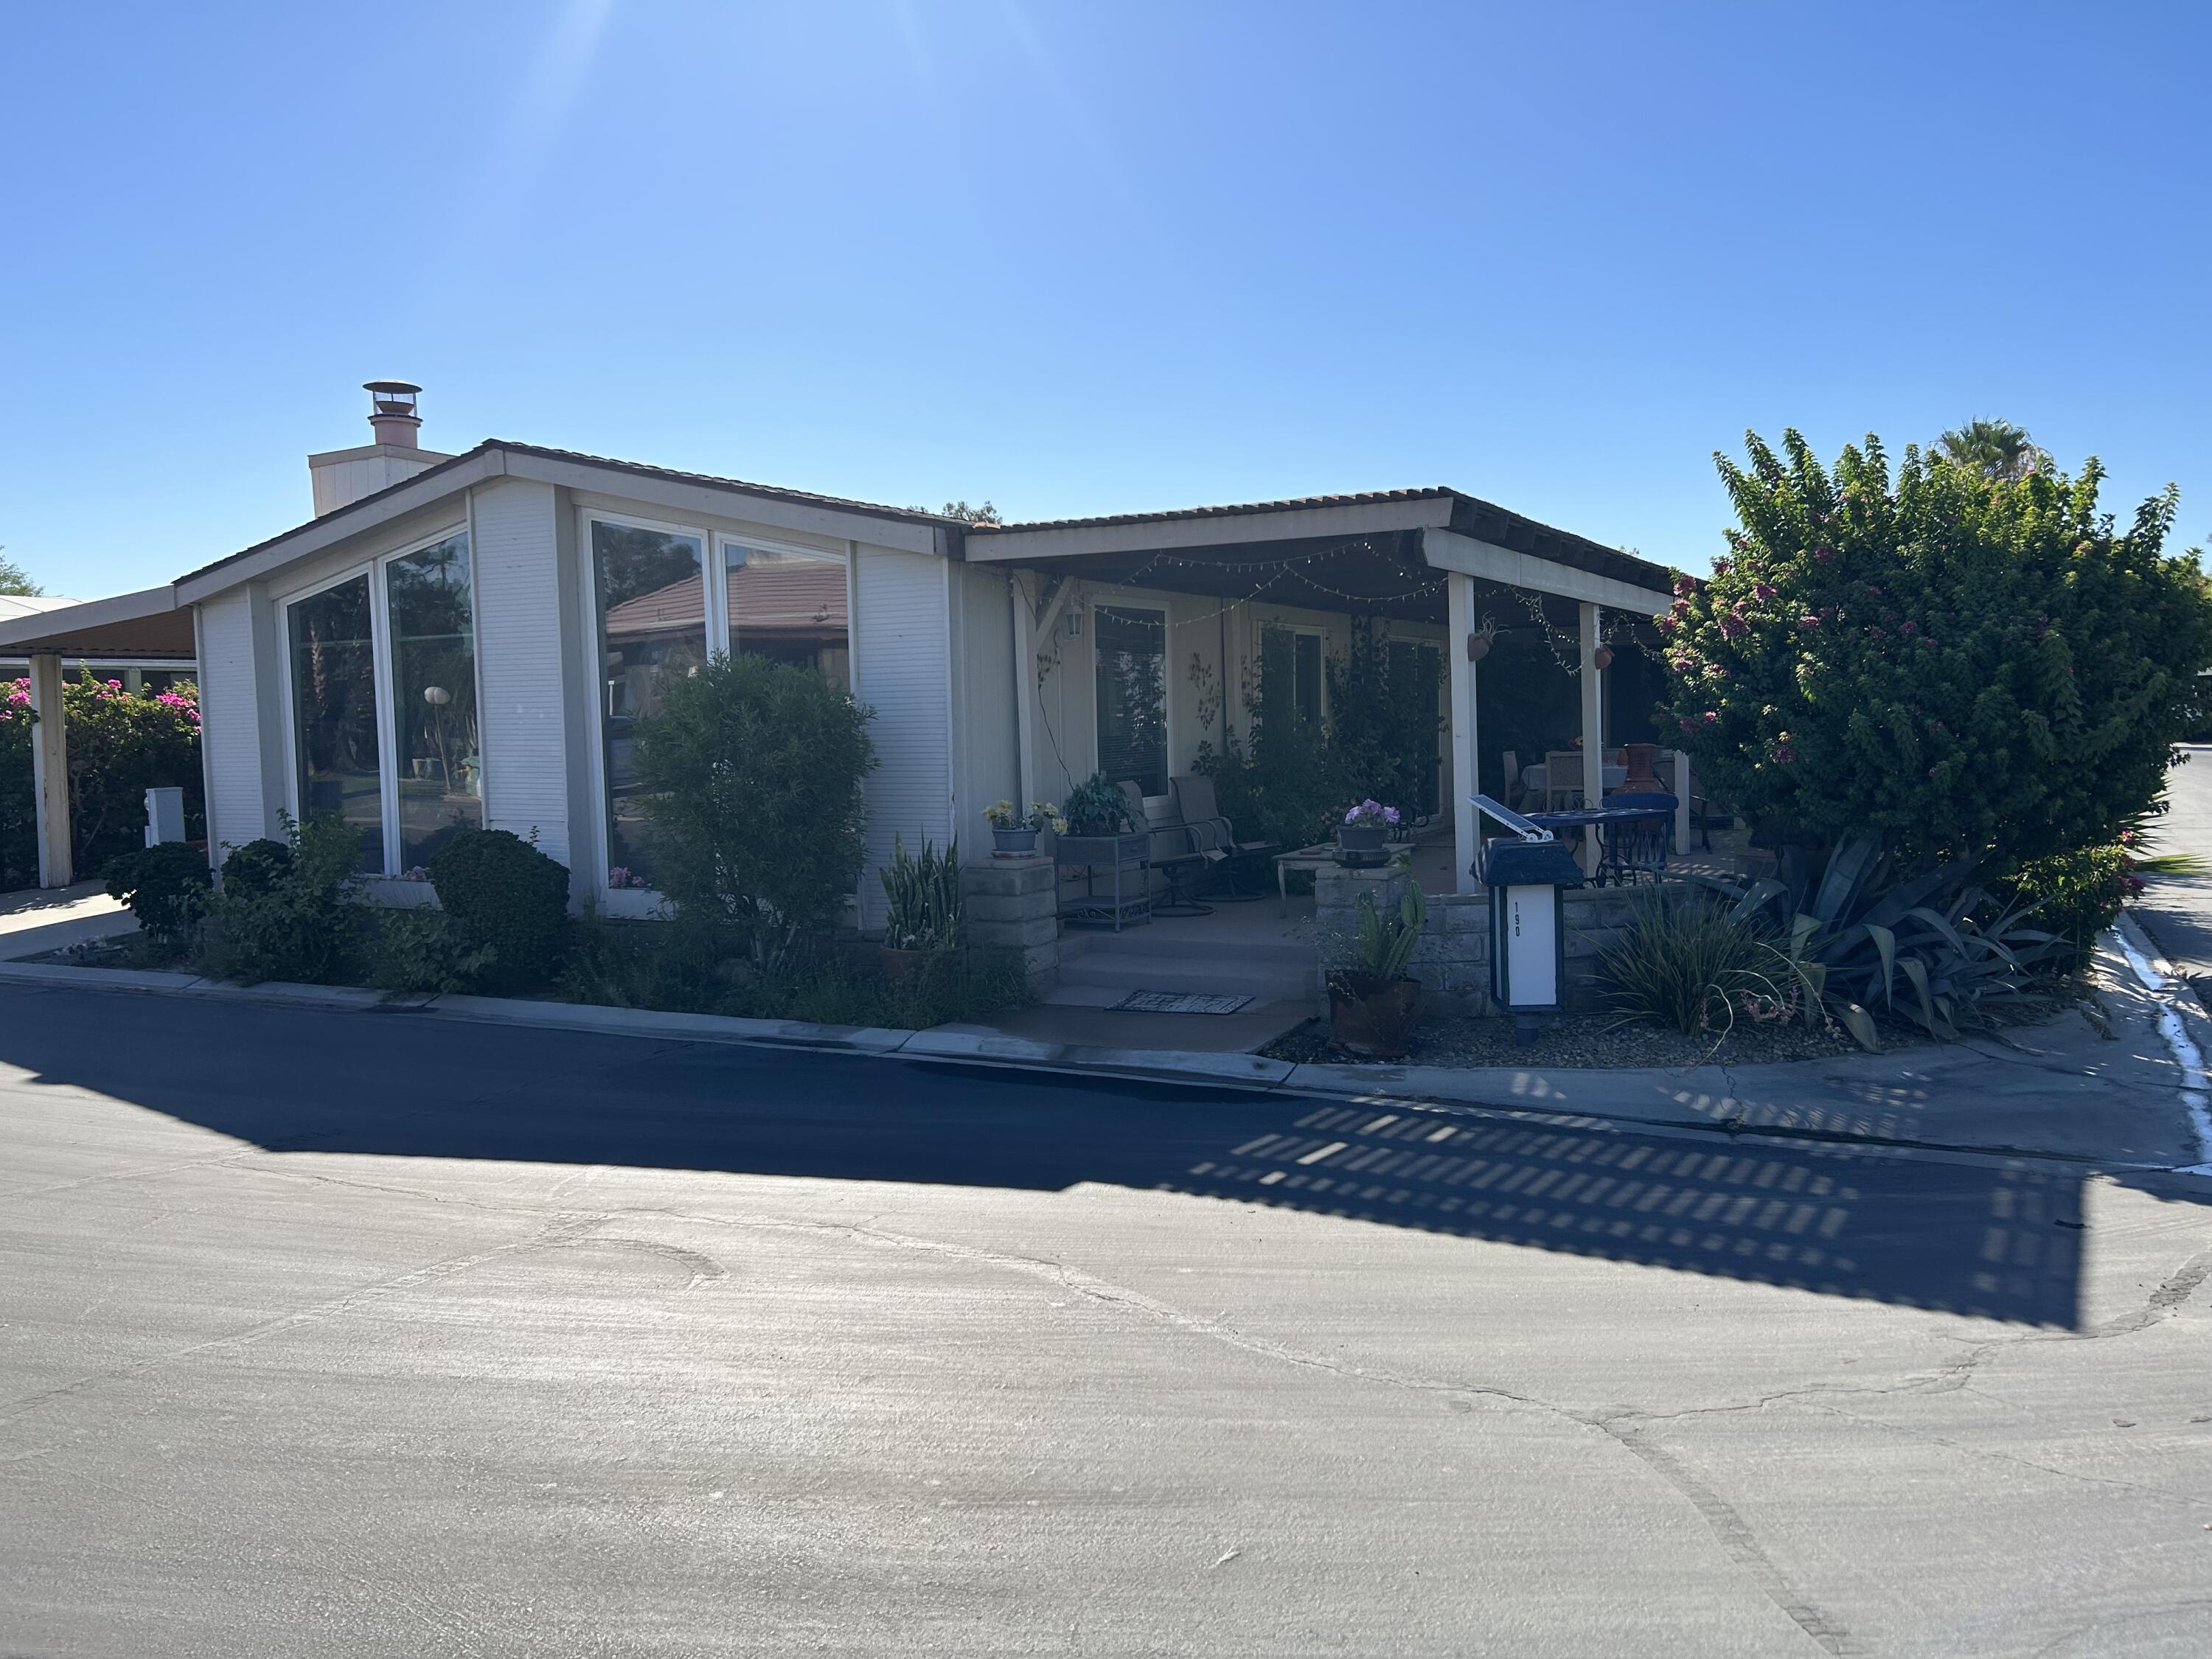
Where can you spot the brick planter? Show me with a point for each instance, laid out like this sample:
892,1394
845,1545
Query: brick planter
1012,904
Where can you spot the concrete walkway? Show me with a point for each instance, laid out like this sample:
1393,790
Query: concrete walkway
39,919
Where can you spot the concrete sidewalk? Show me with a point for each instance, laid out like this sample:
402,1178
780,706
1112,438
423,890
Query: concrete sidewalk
38,920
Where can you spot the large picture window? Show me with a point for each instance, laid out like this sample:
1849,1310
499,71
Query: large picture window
1132,684
440,779
790,607
334,724
652,629
384,704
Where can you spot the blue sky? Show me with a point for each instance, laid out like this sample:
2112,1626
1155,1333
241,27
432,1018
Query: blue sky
1087,258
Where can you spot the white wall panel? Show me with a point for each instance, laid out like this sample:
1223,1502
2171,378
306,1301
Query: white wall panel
231,738
902,648
519,664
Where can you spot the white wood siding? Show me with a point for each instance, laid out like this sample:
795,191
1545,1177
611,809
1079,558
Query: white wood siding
901,650
231,739
519,664
983,721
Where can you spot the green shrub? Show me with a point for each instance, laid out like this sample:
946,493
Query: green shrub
420,948
1682,961
1961,665
294,918
2076,896
923,898
121,744
753,770
256,867
508,903
167,887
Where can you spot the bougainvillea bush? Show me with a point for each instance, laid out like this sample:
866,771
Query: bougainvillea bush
121,744
1965,666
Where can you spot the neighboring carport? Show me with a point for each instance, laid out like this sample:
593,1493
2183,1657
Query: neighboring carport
146,625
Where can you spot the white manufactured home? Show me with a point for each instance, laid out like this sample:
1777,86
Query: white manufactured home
464,639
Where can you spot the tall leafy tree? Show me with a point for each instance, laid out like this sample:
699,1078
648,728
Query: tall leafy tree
1968,664
1995,449
16,582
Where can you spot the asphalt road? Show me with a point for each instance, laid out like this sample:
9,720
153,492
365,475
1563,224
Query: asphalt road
370,1334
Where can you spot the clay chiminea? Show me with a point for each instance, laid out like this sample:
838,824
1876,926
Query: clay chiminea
1642,779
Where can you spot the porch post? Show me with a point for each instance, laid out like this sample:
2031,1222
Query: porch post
1466,780
1593,730
50,771
1682,814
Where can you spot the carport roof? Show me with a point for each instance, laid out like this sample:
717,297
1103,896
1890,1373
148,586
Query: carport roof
144,624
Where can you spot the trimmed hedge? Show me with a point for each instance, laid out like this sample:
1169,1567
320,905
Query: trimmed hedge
501,892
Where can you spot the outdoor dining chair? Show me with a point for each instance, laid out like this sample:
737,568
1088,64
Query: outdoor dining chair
1633,849
1563,779
1176,850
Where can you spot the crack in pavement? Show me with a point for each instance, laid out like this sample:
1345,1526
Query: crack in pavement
558,1231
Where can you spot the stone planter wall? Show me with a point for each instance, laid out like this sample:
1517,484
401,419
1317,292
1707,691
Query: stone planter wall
1453,959
1013,903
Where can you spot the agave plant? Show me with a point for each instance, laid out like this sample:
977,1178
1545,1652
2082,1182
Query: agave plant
1936,947
923,896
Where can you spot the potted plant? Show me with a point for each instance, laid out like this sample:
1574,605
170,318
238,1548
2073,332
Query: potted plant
1366,827
1012,833
1095,807
1373,1004
921,915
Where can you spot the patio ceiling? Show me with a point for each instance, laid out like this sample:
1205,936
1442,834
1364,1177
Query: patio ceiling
143,626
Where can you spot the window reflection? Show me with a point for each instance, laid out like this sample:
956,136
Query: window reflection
1132,697
434,684
790,607
334,713
652,627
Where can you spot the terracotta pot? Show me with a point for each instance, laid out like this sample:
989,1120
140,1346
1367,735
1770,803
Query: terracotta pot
1372,1016
1642,779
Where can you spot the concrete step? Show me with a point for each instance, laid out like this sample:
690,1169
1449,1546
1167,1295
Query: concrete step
1120,971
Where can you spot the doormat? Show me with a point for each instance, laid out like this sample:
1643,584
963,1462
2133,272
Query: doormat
1177,1002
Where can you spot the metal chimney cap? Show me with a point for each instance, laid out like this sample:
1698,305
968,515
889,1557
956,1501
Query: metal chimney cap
391,397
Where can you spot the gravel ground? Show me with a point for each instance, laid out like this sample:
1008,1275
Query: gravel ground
1575,1040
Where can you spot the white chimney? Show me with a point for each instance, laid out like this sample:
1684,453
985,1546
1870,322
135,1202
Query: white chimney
345,475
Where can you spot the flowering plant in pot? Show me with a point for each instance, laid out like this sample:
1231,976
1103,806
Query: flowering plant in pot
1017,832
1373,1004
1366,827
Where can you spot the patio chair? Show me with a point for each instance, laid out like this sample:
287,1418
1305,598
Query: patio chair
1174,850
1703,813
1636,850
1512,760
1563,779
1196,805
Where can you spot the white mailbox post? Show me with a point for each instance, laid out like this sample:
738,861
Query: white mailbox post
165,815
1528,924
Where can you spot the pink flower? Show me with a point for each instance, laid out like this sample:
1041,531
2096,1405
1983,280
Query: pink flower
1684,587
1784,754
1667,624
1762,592
1721,565
1734,626
1808,622
1712,717
1908,628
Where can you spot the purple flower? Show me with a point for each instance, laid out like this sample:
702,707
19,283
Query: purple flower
1762,592
1908,628
1808,622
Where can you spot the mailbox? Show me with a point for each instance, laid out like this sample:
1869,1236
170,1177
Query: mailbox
1528,926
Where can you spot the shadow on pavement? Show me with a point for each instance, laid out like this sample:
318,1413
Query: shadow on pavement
1998,1239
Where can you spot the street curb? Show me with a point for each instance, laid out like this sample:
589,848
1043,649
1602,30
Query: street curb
1512,1090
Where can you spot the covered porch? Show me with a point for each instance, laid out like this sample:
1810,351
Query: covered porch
1148,647
146,628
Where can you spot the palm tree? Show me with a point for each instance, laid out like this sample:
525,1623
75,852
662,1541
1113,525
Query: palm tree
1995,449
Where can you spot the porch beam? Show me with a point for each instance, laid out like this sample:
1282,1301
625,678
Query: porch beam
1447,550
1593,689
1466,780
50,770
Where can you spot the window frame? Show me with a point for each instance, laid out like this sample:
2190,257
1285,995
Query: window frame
379,635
